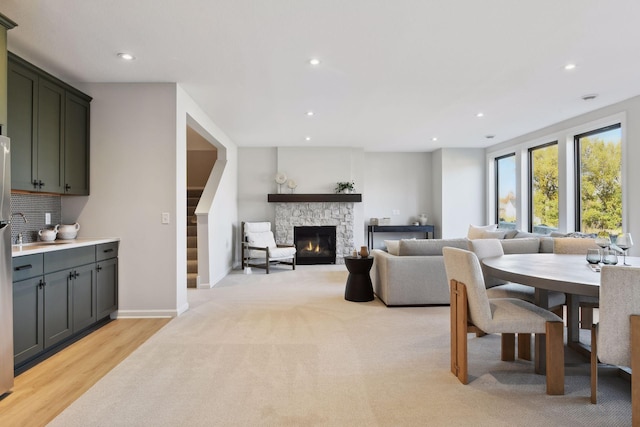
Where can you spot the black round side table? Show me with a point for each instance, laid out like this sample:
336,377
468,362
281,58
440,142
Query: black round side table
359,287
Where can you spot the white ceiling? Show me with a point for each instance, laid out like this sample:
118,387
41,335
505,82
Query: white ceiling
394,73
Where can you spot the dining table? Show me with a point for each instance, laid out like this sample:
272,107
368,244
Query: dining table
546,272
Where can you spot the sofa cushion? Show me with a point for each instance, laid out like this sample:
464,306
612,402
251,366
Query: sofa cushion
496,234
392,246
421,247
475,231
527,245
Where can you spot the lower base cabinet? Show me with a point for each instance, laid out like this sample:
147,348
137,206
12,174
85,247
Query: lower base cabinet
50,307
28,324
107,287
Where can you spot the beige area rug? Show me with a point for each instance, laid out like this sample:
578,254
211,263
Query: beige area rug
286,349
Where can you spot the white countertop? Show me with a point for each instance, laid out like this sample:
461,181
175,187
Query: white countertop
57,245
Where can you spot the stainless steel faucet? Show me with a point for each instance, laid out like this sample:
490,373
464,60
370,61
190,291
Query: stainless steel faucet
22,215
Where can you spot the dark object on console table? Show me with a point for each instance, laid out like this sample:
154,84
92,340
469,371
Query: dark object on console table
359,287
371,229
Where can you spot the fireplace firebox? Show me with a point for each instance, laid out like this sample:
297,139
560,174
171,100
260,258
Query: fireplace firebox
315,244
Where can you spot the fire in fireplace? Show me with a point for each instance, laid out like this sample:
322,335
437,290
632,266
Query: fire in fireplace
315,244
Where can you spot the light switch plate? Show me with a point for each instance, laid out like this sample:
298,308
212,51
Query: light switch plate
165,218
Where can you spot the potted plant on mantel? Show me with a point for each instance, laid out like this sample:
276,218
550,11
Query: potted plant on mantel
345,187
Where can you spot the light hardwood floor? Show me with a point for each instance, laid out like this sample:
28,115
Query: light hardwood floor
45,390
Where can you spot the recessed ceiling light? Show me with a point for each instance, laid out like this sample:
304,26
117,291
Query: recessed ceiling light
314,61
570,67
307,138
126,56
589,97
480,114
434,139
310,113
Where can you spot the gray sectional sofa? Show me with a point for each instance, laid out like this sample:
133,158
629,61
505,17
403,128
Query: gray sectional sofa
411,272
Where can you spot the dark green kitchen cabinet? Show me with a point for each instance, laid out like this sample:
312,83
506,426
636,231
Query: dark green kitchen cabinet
49,158
28,322
76,145
59,295
83,284
107,285
23,119
48,123
58,322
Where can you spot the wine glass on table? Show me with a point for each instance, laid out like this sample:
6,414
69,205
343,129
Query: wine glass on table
624,242
603,240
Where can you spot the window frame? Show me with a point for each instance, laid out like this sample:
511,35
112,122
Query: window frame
530,151
578,171
497,183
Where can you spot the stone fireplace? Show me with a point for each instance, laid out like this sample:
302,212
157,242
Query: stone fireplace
290,213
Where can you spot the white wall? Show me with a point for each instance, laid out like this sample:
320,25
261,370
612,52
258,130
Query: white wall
256,173
436,195
463,196
398,182
133,180
630,110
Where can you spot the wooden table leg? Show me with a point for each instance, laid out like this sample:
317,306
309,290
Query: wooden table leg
542,300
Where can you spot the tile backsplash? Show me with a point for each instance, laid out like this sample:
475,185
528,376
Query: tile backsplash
34,207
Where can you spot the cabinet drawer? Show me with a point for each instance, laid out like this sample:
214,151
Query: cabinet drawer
106,251
68,258
25,267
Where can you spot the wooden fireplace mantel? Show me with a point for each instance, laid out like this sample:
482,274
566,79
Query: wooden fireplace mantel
310,198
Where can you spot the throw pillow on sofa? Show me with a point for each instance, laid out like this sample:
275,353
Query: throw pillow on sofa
421,247
393,246
477,231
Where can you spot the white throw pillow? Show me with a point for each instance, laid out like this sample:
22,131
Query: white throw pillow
476,231
392,246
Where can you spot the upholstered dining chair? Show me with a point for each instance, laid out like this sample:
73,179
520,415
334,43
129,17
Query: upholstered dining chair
579,246
472,310
259,248
615,340
496,288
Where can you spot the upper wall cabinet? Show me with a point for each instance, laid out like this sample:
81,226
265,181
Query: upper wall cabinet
48,123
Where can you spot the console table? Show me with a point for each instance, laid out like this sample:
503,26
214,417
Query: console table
372,229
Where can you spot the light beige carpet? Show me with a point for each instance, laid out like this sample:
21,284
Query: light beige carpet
286,349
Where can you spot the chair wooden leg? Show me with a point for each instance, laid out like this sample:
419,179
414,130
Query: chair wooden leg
586,317
453,307
524,346
555,357
459,331
508,347
635,364
594,363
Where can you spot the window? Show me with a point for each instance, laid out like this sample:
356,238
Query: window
506,215
599,180
543,188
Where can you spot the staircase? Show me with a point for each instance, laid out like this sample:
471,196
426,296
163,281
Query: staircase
193,197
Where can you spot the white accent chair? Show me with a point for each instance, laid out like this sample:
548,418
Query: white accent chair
579,246
473,311
486,248
615,340
259,248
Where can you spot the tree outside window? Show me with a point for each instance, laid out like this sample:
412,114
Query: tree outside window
599,189
543,202
506,214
